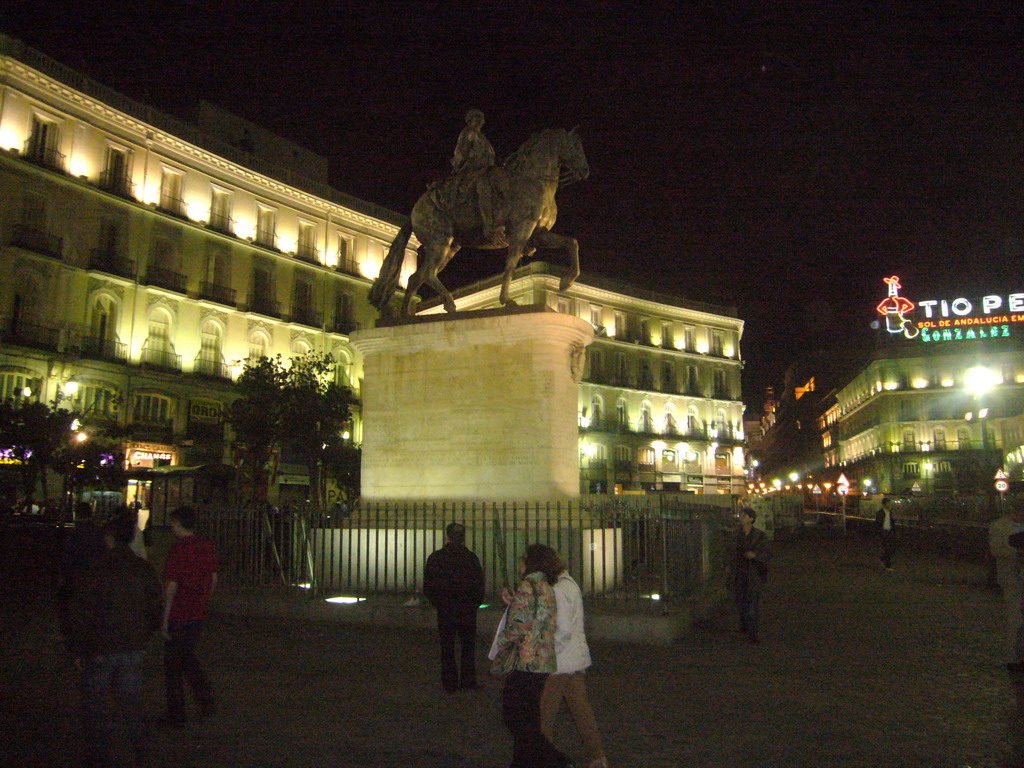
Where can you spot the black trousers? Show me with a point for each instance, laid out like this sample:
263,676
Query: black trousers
181,664
459,624
886,547
520,711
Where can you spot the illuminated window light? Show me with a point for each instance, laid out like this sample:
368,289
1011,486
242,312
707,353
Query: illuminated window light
920,383
891,385
306,585
947,381
345,600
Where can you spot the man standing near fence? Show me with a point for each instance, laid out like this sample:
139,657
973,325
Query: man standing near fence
453,582
190,576
885,526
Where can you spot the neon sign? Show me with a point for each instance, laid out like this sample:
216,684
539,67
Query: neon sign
959,319
894,309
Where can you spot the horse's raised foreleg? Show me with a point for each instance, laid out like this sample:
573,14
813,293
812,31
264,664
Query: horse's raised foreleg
546,239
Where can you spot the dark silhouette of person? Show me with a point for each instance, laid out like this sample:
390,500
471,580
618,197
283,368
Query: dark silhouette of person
453,582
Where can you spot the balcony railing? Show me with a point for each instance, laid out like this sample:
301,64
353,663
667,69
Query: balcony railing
40,154
343,325
32,239
306,316
30,334
266,238
103,349
175,206
349,266
221,223
117,183
102,260
208,365
265,306
308,253
161,358
166,278
219,293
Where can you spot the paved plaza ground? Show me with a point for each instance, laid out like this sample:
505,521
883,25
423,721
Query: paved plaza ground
858,667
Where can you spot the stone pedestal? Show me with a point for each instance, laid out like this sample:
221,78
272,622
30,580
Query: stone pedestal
479,407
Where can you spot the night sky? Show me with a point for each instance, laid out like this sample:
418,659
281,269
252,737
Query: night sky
779,157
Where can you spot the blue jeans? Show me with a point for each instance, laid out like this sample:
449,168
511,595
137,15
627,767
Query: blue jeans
118,676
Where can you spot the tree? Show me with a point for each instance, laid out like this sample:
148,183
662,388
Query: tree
299,407
255,418
34,434
316,410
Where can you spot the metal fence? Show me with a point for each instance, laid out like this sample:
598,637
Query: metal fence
624,549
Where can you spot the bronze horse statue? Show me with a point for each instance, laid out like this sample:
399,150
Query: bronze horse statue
445,221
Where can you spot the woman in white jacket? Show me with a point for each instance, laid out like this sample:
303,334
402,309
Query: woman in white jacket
572,656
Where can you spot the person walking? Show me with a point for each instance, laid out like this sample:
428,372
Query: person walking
190,577
750,572
568,684
112,615
529,634
885,527
453,582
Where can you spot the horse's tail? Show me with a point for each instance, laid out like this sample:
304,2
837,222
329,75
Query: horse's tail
387,280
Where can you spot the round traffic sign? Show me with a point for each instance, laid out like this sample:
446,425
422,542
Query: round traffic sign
842,490
1002,486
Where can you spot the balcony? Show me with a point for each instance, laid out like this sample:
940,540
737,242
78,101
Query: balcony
266,238
160,358
99,348
36,240
348,266
102,260
212,366
40,154
308,253
172,205
117,183
221,223
218,293
343,325
306,316
152,429
597,466
263,305
165,278
30,334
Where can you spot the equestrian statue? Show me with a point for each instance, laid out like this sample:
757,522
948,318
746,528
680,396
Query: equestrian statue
487,206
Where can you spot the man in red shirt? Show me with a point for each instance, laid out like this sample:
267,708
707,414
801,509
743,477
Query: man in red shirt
190,576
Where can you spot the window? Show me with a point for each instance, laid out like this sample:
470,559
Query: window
911,470
671,428
343,369
909,440
116,175
595,362
266,226
158,349
210,359
44,142
306,248
646,379
303,302
166,249
218,264
719,383
692,423
943,467
110,236
96,400
939,437
171,182
692,381
220,211
33,212
963,438
620,325
620,369
668,376
689,338
345,261
668,460
103,323
153,409
13,386
596,318
596,409
621,414
258,345
301,347
646,420
563,306
646,458
666,334
723,464
717,345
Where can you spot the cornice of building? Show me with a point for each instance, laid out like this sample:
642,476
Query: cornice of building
148,131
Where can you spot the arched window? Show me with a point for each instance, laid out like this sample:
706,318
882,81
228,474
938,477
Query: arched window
158,349
103,324
621,414
646,420
210,360
939,437
301,347
153,409
671,428
963,438
343,368
692,423
596,409
258,345
17,385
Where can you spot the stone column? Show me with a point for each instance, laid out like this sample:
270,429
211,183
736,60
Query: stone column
479,407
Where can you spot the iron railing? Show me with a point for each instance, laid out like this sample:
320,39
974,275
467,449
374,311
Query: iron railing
166,278
100,348
160,358
219,293
30,334
39,153
102,260
117,183
647,549
207,365
32,239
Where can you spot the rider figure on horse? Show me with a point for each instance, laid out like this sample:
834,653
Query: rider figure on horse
474,158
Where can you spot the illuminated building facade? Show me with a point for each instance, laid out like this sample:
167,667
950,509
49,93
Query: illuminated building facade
145,258
660,404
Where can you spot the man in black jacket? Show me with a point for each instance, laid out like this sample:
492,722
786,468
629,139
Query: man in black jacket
113,613
453,581
885,526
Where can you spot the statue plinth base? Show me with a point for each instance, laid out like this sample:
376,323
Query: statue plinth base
475,408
